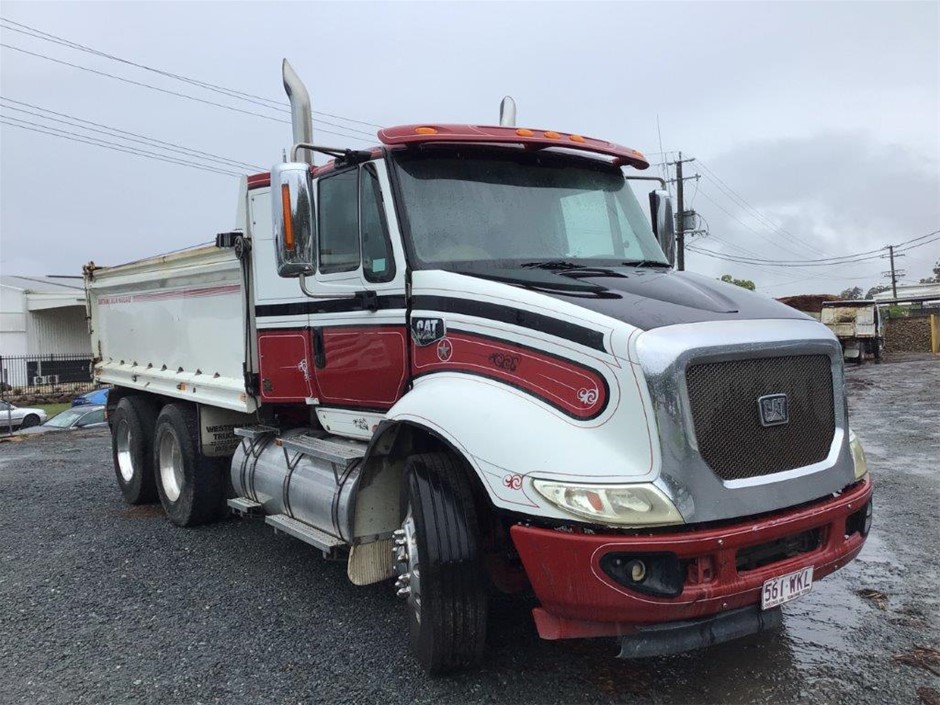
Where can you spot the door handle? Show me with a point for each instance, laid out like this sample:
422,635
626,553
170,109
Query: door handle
319,353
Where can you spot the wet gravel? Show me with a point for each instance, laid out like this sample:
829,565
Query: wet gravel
105,603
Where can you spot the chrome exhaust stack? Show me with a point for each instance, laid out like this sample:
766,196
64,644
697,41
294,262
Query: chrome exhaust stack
507,112
301,115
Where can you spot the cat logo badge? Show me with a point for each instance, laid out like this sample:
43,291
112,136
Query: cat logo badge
773,410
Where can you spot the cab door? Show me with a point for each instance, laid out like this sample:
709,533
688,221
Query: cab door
359,344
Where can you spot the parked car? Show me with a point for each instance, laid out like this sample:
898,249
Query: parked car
95,396
19,416
82,417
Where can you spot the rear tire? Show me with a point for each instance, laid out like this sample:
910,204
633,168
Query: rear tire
191,486
448,610
30,421
132,425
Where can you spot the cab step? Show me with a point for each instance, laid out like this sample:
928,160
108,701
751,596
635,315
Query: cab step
242,505
306,533
339,451
254,432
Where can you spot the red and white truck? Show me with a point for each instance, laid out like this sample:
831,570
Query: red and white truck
462,360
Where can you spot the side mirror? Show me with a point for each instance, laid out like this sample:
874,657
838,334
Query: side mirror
664,225
292,213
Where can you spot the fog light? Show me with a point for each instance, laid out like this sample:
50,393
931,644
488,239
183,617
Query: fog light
658,574
860,521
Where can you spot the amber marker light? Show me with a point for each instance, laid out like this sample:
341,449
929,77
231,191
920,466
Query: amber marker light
425,131
552,135
576,138
525,132
288,223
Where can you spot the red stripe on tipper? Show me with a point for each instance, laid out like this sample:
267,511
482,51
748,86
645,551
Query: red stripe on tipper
573,388
170,294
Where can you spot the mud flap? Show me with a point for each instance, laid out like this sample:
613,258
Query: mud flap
677,637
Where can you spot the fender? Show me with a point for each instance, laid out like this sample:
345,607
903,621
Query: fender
484,420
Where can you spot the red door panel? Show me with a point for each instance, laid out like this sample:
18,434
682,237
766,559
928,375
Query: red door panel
364,366
285,366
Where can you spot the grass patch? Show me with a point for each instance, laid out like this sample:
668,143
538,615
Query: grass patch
53,409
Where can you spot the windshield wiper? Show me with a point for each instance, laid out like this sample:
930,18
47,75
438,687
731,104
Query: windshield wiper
571,269
553,264
645,263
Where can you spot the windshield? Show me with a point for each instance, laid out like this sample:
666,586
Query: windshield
66,418
502,208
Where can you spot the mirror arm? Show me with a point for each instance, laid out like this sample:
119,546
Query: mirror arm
307,292
662,181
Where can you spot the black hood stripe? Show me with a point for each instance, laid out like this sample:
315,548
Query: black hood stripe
582,335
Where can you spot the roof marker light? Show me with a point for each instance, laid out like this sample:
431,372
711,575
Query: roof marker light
425,131
525,132
552,135
576,138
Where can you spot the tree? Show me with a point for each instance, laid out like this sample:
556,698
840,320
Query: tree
876,290
743,283
853,294
935,279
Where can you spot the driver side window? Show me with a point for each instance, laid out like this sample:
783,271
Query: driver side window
338,222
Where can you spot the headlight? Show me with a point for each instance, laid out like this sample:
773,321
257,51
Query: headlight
625,505
858,456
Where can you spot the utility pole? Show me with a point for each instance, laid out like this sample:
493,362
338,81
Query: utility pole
894,274
680,205
683,218
894,278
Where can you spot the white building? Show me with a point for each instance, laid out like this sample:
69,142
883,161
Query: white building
43,330
913,291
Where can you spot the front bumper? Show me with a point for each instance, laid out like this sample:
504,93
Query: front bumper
579,599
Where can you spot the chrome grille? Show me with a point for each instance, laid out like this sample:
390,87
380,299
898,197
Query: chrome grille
731,439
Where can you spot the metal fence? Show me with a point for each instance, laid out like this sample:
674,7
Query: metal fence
35,374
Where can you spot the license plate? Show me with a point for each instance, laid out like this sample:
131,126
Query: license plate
785,588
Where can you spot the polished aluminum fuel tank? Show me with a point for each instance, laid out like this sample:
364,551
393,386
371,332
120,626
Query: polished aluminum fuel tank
311,478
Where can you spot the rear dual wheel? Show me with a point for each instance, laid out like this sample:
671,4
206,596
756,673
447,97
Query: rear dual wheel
132,424
440,570
191,486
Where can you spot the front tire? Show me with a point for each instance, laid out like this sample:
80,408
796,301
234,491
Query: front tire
30,421
190,486
132,423
440,570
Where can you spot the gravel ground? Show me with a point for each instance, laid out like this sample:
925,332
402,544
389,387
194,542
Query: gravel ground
105,603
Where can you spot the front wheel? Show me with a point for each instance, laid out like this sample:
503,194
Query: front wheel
438,562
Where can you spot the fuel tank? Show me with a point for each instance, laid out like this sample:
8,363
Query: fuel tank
308,477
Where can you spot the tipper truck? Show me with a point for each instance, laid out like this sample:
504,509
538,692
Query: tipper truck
462,361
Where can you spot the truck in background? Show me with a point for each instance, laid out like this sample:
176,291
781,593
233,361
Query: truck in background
859,327
462,361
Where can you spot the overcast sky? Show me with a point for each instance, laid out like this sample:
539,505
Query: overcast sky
816,126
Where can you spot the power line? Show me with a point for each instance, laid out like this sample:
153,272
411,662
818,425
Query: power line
755,213
859,257
875,254
169,92
110,131
231,92
73,137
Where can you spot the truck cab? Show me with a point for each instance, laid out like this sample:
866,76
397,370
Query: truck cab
467,364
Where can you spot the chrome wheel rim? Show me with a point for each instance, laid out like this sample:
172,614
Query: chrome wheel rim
122,441
171,466
408,563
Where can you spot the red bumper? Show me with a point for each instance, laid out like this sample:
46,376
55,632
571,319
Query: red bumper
579,599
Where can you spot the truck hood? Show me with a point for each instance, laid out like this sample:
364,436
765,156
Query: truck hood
649,298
